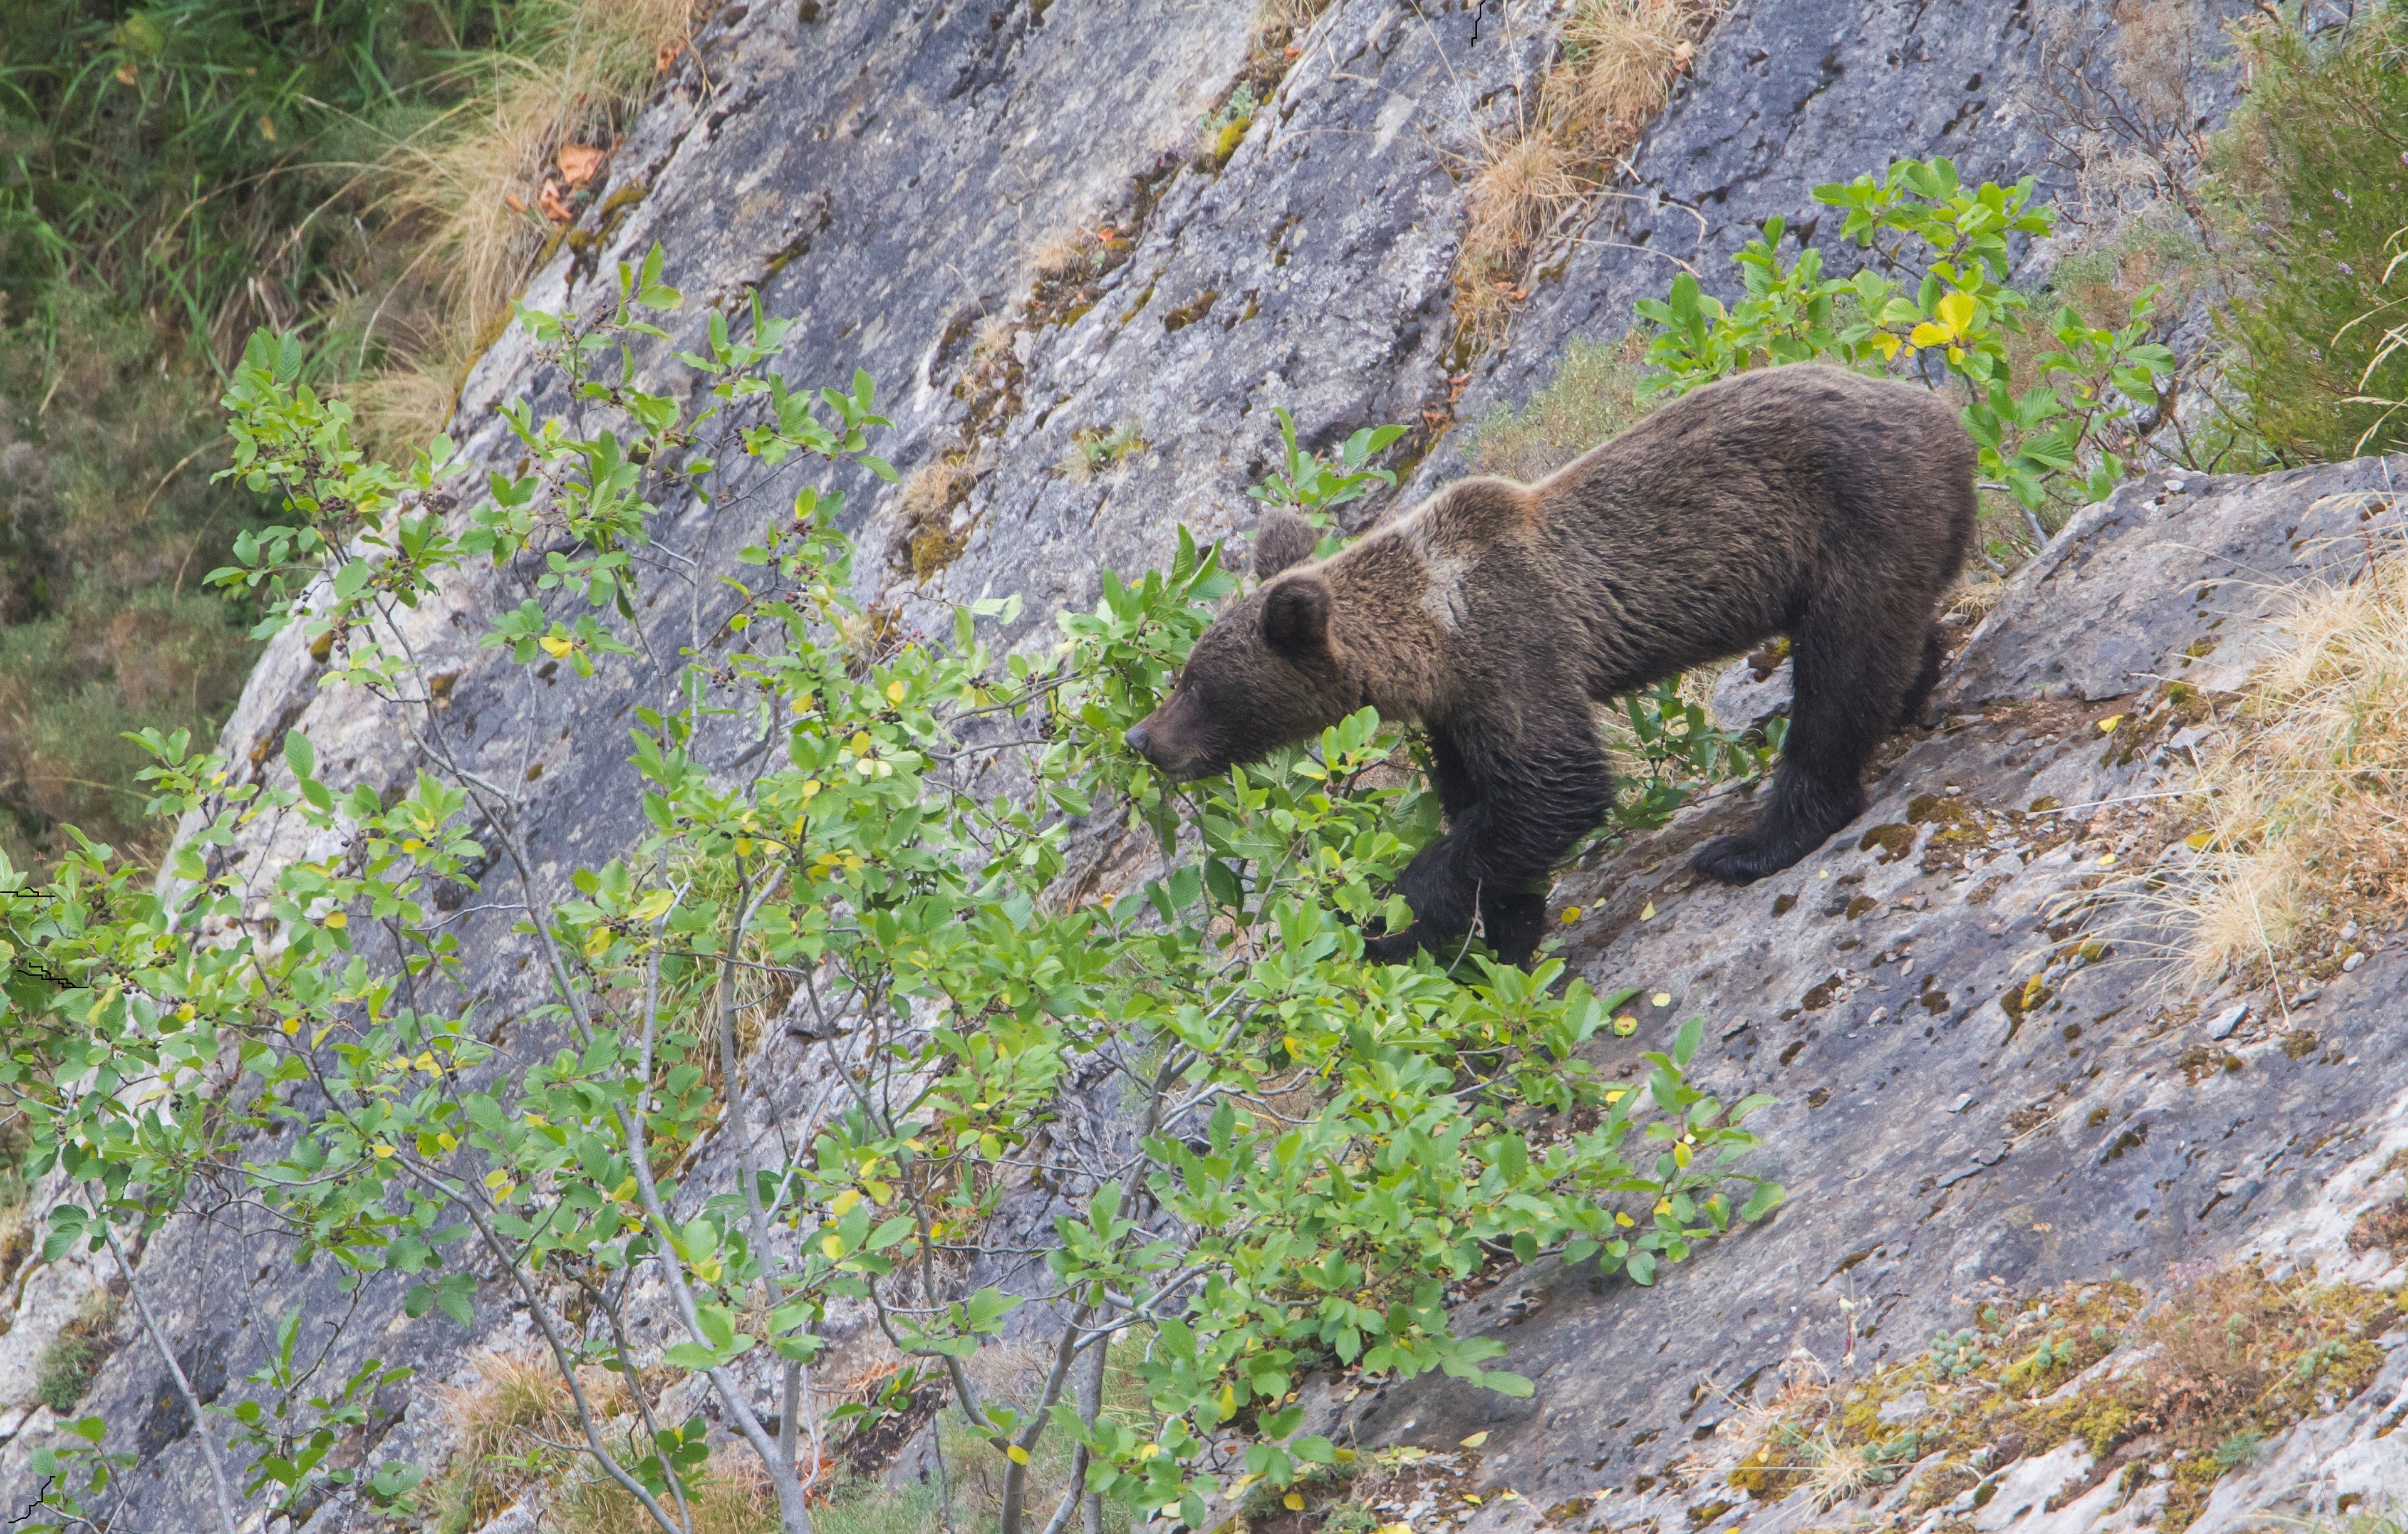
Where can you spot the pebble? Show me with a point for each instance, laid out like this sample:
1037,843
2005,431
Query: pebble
2228,1020
2352,963
1914,1403
1881,1013
1964,1101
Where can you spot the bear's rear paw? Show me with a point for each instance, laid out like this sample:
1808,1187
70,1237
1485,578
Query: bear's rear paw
1740,860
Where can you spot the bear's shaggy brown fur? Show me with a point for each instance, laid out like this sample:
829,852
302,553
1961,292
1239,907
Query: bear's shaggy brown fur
1803,500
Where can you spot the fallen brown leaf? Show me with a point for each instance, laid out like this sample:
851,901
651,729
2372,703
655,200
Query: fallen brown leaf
515,203
580,163
552,205
670,53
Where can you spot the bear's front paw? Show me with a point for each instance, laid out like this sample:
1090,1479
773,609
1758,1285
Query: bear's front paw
1737,859
1391,947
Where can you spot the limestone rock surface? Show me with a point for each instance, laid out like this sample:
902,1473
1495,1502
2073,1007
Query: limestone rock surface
883,170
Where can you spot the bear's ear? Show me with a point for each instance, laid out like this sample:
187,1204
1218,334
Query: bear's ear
1283,539
1295,617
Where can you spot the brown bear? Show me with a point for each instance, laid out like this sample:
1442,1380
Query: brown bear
1803,500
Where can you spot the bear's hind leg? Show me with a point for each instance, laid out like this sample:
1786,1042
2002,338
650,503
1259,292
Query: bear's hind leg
1849,685
1918,693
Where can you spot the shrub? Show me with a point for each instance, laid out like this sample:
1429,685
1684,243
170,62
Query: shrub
2050,443
1320,1147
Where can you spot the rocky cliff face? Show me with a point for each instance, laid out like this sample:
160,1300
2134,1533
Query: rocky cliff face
889,174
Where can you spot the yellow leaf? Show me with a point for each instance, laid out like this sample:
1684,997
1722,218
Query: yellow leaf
1571,914
2107,860
624,1192
1471,1498
1663,1206
1662,998
1626,1025
337,920
382,1150
1408,1528
555,647
2107,726
1927,333
1885,343
1292,1502
2198,841
1649,914
1476,1439
841,1205
893,692
1622,1220
496,1177
1957,311
1017,1454
1680,1155
1613,1097
833,1245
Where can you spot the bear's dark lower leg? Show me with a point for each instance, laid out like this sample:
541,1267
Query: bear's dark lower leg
1513,923
1524,802
1918,693
1848,690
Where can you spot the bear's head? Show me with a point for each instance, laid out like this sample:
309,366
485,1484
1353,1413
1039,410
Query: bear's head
1265,675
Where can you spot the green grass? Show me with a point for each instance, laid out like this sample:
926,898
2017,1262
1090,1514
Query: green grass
173,175
2314,156
1592,398
108,439
76,1354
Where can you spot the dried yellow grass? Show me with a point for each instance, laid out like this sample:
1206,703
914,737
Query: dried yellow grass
1621,59
2302,822
501,1421
462,176
469,194
1521,188
1618,63
731,1496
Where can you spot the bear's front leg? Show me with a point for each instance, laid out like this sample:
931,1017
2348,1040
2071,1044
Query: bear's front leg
1526,799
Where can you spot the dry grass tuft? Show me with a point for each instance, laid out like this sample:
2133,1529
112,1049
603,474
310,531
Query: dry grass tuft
925,539
733,1495
480,192
464,176
1843,1472
1973,598
517,1399
1060,253
2303,833
1519,192
1620,61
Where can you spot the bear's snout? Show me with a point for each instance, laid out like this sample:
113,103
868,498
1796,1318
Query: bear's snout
1139,740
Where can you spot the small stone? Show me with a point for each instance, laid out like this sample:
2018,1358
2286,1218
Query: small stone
2228,1020
1964,1101
1735,1030
1880,1014
1914,1403
2351,963
2304,997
